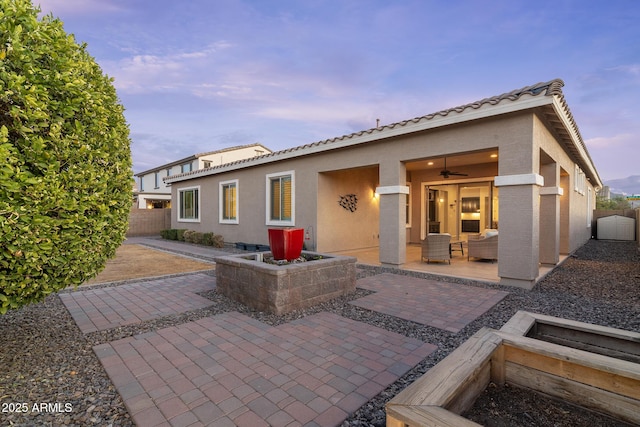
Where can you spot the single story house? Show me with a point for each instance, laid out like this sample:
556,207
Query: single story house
515,162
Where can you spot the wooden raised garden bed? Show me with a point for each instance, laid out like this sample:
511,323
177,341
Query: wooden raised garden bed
588,365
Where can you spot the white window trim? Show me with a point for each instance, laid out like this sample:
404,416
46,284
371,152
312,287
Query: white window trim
580,182
268,219
589,208
181,190
221,202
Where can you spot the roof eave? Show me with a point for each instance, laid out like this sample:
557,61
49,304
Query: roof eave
573,140
506,106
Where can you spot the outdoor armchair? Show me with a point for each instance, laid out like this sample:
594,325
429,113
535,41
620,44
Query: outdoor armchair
481,246
436,247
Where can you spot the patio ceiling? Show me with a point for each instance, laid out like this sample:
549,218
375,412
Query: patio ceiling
454,161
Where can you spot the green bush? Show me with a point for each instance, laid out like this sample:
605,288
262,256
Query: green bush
65,160
207,239
170,234
191,236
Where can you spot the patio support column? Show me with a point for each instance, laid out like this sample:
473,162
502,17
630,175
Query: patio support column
393,197
518,247
550,214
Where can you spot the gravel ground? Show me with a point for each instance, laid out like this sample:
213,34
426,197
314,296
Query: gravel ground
47,360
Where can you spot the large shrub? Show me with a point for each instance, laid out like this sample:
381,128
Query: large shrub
65,161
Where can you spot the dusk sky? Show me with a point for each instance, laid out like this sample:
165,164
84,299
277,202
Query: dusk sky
202,75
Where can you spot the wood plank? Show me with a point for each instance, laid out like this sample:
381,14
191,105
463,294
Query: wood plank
441,383
394,422
520,323
497,366
613,404
425,416
574,369
470,389
597,361
588,327
593,342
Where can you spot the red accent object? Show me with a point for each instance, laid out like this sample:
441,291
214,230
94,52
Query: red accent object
286,243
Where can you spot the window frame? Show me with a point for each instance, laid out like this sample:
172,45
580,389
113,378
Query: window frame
589,208
269,203
221,205
186,167
408,207
181,192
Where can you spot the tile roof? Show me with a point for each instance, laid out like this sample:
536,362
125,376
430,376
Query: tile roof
551,88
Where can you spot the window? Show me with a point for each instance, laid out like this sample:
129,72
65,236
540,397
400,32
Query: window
189,204
142,183
186,167
580,183
281,198
206,164
156,179
169,172
229,202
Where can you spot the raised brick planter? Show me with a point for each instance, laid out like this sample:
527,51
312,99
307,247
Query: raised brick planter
282,289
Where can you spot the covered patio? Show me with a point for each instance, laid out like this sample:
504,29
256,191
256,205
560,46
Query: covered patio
460,267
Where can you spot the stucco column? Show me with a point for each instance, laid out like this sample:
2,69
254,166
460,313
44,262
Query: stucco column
393,191
518,244
550,214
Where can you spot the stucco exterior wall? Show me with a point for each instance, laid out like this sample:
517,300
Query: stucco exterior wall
340,227
576,208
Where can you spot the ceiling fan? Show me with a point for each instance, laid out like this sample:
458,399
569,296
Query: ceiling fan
446,173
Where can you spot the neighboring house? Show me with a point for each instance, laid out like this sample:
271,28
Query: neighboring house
522,167
153,192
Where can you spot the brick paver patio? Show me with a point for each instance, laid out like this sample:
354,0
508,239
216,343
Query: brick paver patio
442,305
106,308
230,369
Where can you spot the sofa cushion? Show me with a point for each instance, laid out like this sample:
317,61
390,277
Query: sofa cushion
489,232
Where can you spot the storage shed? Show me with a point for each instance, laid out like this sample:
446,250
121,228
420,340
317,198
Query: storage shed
616,227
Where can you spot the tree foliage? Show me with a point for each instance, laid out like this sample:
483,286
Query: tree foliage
616,203
65,160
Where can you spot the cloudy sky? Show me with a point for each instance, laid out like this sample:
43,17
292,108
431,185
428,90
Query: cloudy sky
201,75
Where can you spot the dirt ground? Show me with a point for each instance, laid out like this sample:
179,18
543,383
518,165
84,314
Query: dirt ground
515,407
136,261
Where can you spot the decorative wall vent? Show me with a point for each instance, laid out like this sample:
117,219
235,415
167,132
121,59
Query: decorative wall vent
349,202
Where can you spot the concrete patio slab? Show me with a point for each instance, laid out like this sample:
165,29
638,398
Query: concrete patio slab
442,305
230,369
